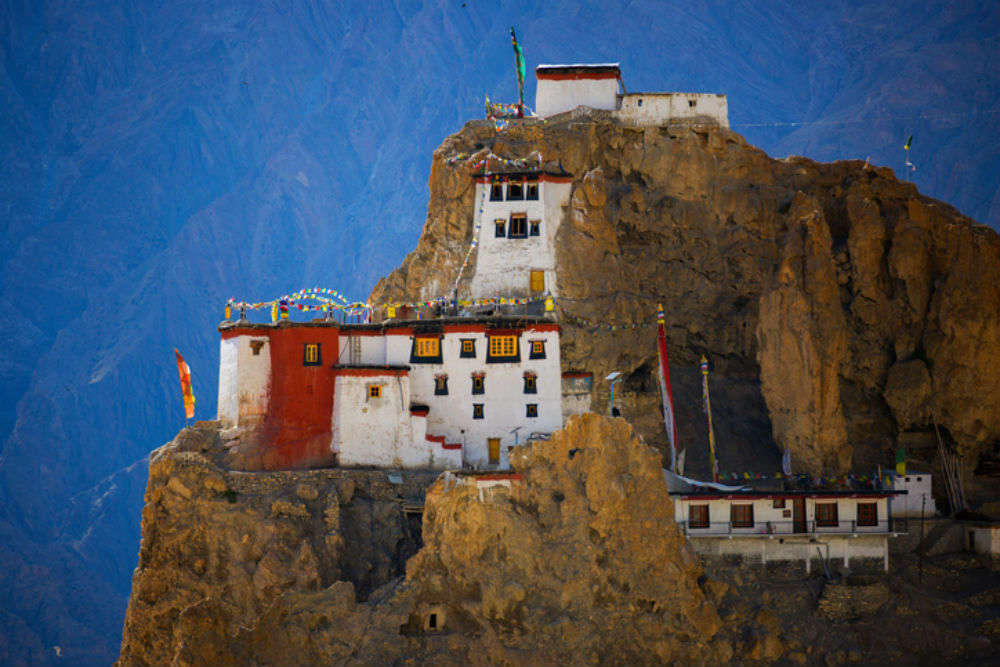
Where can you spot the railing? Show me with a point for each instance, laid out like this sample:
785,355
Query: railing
766,528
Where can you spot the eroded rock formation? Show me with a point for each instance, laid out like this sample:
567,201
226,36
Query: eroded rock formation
840,308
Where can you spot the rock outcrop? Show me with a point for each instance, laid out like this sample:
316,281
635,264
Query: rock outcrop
577,562
818,291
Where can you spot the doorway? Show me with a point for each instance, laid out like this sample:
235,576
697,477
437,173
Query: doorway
494,445
798,515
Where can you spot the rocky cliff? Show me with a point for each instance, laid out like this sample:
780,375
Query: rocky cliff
843,312
577,561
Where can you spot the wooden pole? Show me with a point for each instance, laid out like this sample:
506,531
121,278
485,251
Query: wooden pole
708,415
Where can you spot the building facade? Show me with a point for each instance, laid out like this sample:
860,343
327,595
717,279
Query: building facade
443,394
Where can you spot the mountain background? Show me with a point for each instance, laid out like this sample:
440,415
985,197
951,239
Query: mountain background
161,157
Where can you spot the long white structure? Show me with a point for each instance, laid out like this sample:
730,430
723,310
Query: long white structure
565,87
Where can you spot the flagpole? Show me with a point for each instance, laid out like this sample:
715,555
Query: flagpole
708,414
669,422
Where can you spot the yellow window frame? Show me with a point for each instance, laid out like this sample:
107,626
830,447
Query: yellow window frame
428,347
503,346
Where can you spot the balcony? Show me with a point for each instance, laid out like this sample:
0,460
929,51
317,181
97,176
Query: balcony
769,529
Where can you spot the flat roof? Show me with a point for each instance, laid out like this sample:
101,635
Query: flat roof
582,65
423,325
582,70
710,494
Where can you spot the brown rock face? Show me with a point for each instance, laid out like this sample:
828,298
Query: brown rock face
804,283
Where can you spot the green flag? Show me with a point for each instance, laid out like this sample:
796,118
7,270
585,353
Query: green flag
908,142
519,65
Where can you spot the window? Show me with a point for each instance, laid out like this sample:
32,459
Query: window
515,189
530,383
255,345
503,349
531,410
496,192
536,281
534,228
698,516
477,410
518,226
867,514
741,516
692,103
426,350
468,348
779,503
532,191
440,385
501,228
639,103
374,391
478,384
537,349
826,515
311,355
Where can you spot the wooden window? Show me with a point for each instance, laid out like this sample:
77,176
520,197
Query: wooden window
537,349
531,191
500,228
440,385
515,189
779,503
698,516
531,410
374,391
535,228
494,449
468,349
496,192
518,228
530,383
312,355
503,348
826,515
741,516
867,514
428,347
478,384
536,281
477,413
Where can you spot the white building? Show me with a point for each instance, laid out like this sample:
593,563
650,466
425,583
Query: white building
768,526
518,220
565,87
917,498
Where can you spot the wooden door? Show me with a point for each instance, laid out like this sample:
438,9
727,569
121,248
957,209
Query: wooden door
494,450
799,515
537,281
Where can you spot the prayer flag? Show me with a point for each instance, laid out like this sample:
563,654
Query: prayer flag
666,395
185,373
909,142
901,461
519,65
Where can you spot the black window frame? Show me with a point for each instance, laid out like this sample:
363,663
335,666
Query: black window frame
531,190
531,349
414,359
530,384
477,411
319,354
462,353
440,385
478,385
496,359
511,194
519,231
531,410
500,228
495,188
534,228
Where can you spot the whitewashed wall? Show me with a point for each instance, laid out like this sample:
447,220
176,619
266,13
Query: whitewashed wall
918,494
837,547
372,431
764,511
504,401
244,381
554,96
503,265
358,349
659,108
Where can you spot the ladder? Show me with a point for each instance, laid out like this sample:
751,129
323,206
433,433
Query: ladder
354,350
952,475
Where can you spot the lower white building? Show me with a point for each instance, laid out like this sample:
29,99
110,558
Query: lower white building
916,501
767,526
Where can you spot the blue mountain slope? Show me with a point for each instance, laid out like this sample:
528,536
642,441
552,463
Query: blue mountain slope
159,158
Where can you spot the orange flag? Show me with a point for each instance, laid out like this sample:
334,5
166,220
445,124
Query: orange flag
185,373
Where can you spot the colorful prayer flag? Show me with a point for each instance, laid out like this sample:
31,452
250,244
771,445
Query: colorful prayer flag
666,395
185,374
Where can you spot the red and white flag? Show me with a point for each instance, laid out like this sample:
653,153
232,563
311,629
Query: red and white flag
665,392
185,372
